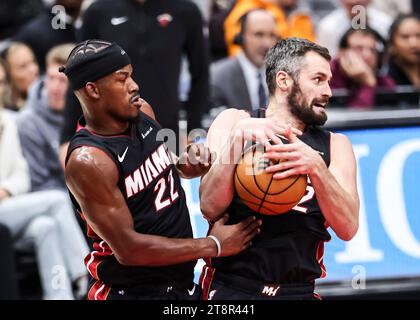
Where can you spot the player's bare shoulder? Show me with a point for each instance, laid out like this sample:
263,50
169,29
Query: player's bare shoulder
87,167
342,153
339,140
229,117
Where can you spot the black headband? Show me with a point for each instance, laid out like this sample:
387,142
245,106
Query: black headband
95,66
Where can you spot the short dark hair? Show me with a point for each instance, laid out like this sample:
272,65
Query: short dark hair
286,55
380,43
397,22
344,40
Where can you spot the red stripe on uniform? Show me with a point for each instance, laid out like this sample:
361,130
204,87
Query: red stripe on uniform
206,279
92,263
94,259
99,291
100,251
320,258
202,276
317,296
79,127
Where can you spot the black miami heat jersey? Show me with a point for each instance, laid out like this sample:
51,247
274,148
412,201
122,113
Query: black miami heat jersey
290,246
151,186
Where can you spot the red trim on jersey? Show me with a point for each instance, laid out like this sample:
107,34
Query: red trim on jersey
120,135
96,257
81,216
320,258
317,296
208,262
80,127
91,233
101,250
99,291
208,259
202,276
206,278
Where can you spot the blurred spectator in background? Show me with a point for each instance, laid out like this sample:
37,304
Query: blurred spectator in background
8,278
393,7
15,13
43,220
357,67
156,34
332,27
40,123
219,11
292,20
4,84
21,70
320,8
404,50
239,81
44,32
404,58
415,5
204,7
13,167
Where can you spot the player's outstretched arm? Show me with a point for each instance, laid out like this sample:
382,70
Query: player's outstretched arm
92,178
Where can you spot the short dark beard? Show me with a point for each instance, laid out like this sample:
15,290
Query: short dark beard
303,110
133,120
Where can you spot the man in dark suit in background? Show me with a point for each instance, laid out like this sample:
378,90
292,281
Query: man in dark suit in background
240,81
50,29
156,34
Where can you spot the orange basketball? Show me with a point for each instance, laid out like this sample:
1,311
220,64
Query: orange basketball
259,191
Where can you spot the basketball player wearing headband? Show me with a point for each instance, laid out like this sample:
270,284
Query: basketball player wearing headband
286,257
126,185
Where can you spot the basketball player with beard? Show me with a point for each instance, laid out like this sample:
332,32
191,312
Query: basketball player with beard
285,259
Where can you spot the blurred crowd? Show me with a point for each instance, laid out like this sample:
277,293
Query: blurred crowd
191,59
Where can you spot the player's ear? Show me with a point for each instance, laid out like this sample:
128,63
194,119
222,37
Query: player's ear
283,80
91,90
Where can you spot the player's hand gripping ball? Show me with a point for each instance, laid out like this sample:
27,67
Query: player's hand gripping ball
257,188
